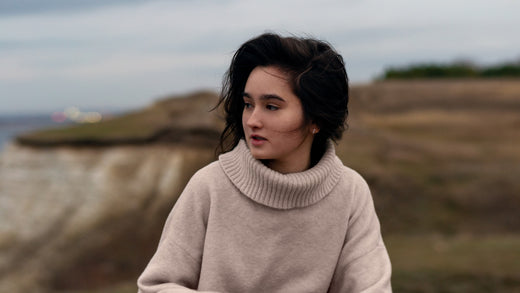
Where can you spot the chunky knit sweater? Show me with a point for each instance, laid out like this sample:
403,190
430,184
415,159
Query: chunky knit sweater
241,227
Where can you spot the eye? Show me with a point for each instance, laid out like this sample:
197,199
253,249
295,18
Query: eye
272,107
247,105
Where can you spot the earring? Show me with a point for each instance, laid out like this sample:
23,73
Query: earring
314,131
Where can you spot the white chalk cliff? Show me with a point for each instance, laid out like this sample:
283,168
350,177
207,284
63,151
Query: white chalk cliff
58,205
82,212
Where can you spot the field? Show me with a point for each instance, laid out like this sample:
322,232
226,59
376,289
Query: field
434,264
441,156
459,263
443,161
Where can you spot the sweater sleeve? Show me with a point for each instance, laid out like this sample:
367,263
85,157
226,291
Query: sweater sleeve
364,264
175,266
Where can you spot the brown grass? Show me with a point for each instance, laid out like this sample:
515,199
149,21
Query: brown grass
440,155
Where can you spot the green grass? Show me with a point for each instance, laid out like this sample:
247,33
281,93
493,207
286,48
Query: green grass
169,120
133,126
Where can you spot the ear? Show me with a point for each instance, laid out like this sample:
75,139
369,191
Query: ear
314,128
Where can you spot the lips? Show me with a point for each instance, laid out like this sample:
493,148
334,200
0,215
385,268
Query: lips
257,137
257,140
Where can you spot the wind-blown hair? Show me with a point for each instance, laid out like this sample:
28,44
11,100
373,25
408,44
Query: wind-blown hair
317,76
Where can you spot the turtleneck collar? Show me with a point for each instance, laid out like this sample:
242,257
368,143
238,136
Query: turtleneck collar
277,190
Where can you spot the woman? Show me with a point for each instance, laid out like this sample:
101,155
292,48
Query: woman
278,211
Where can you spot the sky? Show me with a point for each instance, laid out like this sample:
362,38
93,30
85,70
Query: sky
106,55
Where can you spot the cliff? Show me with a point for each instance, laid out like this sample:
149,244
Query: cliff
83,207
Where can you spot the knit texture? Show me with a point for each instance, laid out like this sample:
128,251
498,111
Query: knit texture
239,226
281,191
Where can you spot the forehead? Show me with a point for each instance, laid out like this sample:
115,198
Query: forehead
268,78
274,72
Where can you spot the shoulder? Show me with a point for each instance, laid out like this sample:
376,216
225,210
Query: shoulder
208,173
353,178
196,196
353,187
206,179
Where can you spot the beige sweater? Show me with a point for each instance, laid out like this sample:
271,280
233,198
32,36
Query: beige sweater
241,227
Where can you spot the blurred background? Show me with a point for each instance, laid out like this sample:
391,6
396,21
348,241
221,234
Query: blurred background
104,116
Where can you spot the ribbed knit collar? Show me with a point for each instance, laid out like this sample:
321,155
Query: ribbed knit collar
277,190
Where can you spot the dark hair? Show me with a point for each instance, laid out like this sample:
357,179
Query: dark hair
317,75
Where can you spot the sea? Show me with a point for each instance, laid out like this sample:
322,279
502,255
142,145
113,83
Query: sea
12,125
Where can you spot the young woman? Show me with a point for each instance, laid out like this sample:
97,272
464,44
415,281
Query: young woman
278,211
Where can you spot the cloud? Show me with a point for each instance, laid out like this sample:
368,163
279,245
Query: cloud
16,7
130,48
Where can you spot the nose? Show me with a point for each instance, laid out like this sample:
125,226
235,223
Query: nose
253,119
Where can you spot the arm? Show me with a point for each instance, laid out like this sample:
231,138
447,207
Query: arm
175,266
364,264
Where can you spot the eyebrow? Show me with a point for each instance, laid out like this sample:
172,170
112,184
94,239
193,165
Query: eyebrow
265,97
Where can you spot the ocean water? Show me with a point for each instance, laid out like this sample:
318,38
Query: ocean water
12,125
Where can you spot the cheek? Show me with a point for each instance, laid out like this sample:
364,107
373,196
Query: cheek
290,124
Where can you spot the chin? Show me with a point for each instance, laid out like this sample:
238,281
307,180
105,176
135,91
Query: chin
259,155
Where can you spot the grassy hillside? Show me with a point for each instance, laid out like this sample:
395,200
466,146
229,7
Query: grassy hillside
453,70
179,119
442,158
443,161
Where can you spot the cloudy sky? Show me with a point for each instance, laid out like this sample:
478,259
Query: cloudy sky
116,54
